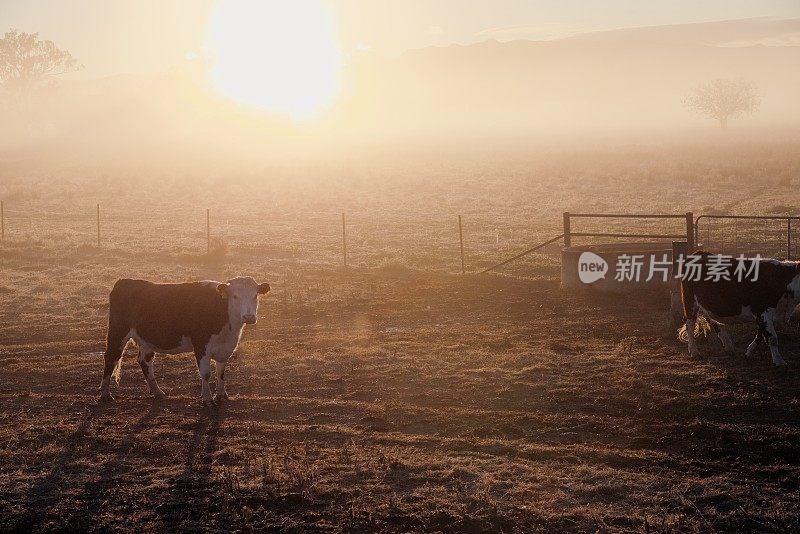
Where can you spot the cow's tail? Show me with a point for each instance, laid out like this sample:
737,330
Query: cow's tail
701,328
118,326
116,374
701,325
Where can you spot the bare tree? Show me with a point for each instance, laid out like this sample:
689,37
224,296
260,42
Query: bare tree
27,62
723,99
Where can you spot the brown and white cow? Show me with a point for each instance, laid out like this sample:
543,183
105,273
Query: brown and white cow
763,299
204,317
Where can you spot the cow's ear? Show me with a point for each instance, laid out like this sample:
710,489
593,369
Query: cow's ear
263,289
222,289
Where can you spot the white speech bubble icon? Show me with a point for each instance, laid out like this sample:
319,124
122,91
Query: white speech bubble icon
591,267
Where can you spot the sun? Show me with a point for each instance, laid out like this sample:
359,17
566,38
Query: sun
281,56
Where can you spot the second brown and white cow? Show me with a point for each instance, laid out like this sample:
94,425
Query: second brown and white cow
206,318
764,299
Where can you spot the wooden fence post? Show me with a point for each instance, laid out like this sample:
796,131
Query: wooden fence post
344,242
98,225
208,231
680,250
789,238
690,231
567,236
461,239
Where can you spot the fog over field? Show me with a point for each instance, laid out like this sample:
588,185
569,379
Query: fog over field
617,84
401,175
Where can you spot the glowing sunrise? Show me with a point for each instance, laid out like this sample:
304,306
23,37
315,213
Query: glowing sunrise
279,56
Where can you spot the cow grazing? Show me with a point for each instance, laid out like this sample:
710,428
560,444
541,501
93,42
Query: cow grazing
204,317
763,299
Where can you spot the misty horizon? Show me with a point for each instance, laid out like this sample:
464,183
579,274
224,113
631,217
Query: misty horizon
630,81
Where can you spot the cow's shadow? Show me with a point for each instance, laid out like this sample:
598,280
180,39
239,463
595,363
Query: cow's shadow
203,442
115,466
45,492
788,344
157,407
753,392
197,478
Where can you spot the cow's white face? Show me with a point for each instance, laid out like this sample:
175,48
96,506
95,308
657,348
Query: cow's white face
242,297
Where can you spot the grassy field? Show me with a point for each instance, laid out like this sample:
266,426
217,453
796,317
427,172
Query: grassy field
397,395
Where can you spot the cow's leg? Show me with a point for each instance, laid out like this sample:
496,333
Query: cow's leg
221,393
691,321
772,337
724,336
204,368
113,356
146,361
761,336
690,316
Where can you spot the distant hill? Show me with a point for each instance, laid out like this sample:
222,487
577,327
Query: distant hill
621,78
724,32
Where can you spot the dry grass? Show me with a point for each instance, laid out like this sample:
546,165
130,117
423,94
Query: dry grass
393,397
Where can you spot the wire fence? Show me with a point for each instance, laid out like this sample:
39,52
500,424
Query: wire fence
454,243
767,235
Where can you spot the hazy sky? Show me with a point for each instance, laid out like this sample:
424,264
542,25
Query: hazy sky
144,36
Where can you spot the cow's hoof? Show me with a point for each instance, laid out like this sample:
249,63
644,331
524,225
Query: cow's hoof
220,397
159,395
694,353
106,397
209,403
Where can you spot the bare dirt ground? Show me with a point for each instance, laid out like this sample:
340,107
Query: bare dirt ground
405,401
397,395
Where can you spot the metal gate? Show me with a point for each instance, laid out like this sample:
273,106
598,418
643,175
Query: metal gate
769,236
688,234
